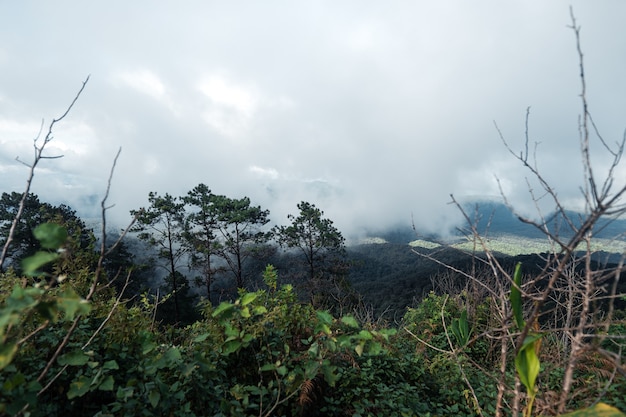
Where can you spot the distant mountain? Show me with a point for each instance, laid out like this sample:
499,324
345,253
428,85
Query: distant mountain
391,274
493,218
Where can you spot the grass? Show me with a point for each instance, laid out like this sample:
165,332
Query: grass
516,245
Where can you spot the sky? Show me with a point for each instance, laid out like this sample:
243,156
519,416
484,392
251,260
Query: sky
376,112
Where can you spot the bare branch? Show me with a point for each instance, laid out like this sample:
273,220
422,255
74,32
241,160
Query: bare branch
38,157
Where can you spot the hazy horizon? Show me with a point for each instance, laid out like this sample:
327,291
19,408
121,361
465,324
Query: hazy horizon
375,112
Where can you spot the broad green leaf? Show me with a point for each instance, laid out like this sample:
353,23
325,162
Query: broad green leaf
375,348
7,352
248,298
72,304
527,363
154,397
107,384
230,347
314,350
359,349
258,310
79,388
268,367
147,346
322,327
75,358
201,338
112,364
324,317
311,368
598,410
172,355
31,265
350,321
50,235
330,373
365,335
188,369
223,307
23,298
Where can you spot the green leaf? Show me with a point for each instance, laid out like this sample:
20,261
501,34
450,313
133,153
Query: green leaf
516,297
79,388
330,373
147,346
230,347
248,298
112,364
350,321
359,349
154,397
72,304
365,335
223,307
325,317
201,338
258,310
172,356
107,384
31,264
7,352
75,358
321,327
375,348
314,350
598,410
50,235
268,367
527,363
460,329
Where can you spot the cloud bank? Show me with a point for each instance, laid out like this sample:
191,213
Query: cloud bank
374,112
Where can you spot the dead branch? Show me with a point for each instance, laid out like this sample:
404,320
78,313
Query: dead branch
39,155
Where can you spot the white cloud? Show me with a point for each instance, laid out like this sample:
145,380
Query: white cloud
269,173
231,106
390,105
145,82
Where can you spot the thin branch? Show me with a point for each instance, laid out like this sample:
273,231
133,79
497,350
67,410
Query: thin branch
38,157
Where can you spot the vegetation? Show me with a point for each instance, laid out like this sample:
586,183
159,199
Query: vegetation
491,335
322,248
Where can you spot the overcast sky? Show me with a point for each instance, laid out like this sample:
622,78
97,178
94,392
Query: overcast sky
375,111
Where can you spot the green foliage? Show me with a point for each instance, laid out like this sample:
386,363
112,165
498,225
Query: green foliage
37,305
240,225
201,233
78,239
322,247
527,362
27,315
162,225
460,329
598,410
264,353
516,297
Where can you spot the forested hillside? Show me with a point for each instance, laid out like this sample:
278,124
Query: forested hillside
199,307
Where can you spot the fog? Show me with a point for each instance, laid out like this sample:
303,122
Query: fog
374,111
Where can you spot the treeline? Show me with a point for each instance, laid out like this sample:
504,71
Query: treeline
197,246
